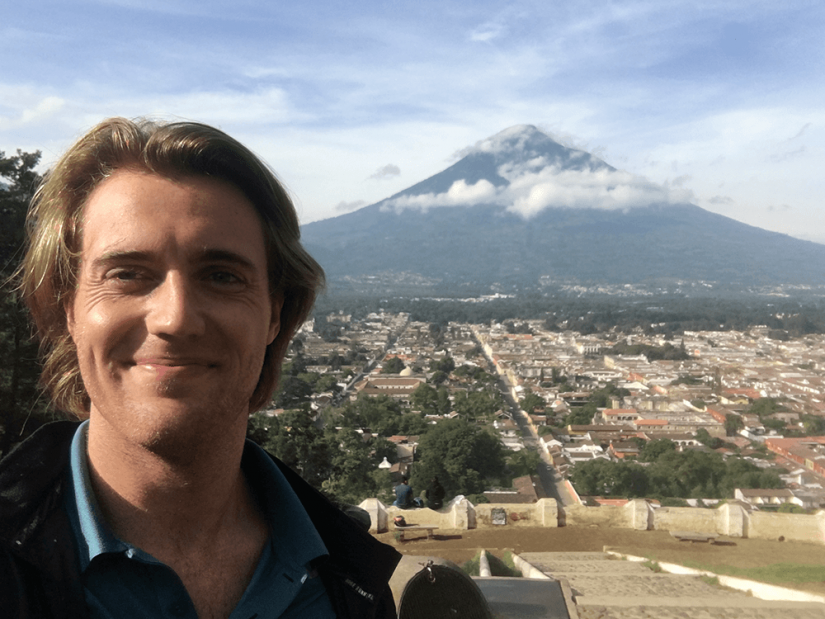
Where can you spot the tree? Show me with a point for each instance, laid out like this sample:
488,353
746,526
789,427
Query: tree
355,474
326,382
523,462
292,392
704,437
444,404
381,414
425,399
733,423
477,404
438,377
412,424
23,406
764,407
531,401
655,448
446,364
462,456
603,477
581,416
295,439
813,424
772,423
393,365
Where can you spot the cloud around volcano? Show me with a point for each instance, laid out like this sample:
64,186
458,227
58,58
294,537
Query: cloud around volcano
535,185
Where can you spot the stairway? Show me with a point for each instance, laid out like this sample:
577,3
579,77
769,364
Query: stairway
607,588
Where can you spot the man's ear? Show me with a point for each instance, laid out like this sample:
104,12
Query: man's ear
68,307
275,321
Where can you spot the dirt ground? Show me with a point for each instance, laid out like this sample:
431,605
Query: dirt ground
459,546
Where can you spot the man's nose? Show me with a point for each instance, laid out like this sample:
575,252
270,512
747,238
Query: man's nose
175,308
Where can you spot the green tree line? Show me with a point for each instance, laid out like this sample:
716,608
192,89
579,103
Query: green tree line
662,472
23,406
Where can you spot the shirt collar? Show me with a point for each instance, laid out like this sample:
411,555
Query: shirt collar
292,535
93,535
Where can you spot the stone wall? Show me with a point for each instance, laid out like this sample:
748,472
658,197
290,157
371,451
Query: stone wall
606,516
793,527
541,514
695,519
729,519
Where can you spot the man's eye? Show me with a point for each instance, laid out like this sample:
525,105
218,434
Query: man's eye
124,275
224,277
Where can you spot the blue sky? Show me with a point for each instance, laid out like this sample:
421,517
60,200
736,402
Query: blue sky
350,103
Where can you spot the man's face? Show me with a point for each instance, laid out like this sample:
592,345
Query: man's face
172,313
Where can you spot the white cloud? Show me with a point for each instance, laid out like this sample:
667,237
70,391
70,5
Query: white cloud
720,200
787,155
268,105
532,192
23,106
511,138
387,171
459,194
532,189
486,32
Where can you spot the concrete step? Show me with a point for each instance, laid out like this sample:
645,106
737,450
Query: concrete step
607,588
523,598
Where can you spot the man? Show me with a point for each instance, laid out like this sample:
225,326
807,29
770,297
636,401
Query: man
166,278
403,495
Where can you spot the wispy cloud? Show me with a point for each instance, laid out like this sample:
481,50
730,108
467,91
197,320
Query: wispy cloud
787,155
22,106
486,32
800,132
720,200
385,172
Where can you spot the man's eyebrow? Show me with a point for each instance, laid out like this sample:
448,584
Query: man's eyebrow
111,257
207,255
223,255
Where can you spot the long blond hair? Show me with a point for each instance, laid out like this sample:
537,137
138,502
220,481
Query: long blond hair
48,273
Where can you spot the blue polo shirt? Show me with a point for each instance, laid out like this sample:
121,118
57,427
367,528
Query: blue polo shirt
120,580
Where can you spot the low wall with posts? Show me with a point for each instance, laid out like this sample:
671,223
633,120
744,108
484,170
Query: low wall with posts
729,519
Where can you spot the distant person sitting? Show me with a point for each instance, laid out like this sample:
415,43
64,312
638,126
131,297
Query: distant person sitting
403,495
435,494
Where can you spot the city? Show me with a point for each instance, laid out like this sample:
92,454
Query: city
736,394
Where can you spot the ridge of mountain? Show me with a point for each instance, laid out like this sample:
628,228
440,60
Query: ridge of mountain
487,243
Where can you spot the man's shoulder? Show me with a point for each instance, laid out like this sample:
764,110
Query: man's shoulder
358,564
30,470
37,559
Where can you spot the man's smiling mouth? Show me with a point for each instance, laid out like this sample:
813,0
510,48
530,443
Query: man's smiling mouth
164,367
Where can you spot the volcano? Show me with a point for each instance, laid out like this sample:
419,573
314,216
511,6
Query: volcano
519,209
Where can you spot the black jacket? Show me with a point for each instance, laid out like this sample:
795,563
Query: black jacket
40,570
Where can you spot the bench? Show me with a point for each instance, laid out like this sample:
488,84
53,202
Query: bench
690,536
416,527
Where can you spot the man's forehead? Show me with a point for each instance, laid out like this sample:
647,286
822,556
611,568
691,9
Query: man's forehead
138,206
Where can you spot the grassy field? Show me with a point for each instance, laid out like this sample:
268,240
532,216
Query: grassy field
790,564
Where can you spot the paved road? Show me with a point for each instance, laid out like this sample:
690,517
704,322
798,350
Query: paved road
552,482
